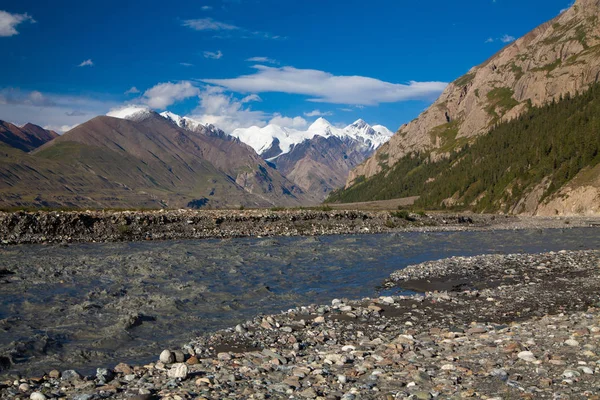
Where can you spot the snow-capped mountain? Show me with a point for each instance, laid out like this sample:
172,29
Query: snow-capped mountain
132,113
275,140
318,159
139,113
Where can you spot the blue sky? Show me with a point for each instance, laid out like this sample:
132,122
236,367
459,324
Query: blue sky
237,63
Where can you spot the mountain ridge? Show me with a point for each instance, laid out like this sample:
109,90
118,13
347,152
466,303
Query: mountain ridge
25,138
559,61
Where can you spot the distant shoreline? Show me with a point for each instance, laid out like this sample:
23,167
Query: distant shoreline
120,226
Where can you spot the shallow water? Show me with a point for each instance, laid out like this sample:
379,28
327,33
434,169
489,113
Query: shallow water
92,305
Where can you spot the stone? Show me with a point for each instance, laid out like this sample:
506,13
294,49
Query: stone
193,360
83,397
70,375
54,374
569,373
23,387
586,370
179,356
309,393
104,374
240,329
178,370
37,396
388,300
123,368
421,395
527,356
572,342
499,373
166,357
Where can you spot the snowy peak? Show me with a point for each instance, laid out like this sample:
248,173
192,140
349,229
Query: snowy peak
382,130
321,124
360,124
132,113
183,122
262,140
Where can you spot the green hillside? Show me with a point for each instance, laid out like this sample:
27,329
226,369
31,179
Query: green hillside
494,171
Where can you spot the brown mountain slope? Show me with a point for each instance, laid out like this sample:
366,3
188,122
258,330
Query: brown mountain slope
155,157
25,138
29,181
321,164
560,56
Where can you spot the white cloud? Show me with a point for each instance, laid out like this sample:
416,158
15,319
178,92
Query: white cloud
346,109
324,87
225,111
86,63
206,8
288,122
507,38
213,55
318,113
262,60
165,94
489,40
60,128
186,64
51,110
227,30
208,24
251,97
9,22
132,90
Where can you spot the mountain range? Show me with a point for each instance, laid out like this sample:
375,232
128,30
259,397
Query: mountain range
318,159
26,137
560,58
135,157
144,161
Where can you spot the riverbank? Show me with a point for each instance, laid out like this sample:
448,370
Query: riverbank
513,326
118,226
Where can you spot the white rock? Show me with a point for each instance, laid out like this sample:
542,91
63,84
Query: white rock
527,356
586,370
179,370
572,342
37,396
166,357
387,300
23,387
448,367
571,374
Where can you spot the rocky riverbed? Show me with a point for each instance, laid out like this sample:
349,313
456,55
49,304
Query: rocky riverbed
508,326
116,226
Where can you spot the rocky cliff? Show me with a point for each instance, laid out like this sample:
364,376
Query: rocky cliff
561,56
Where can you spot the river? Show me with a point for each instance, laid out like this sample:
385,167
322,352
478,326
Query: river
84,306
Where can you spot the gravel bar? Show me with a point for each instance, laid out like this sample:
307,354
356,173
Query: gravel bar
514,326
118,226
